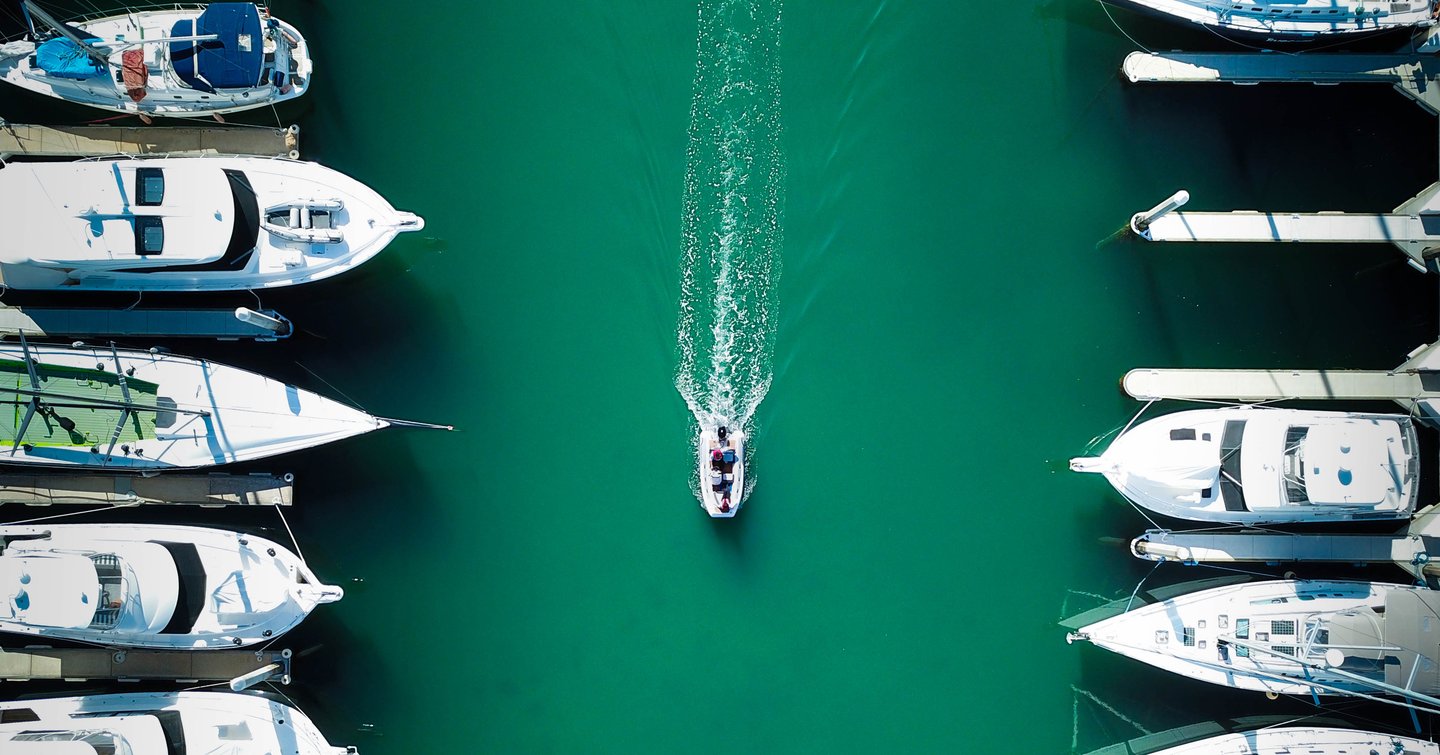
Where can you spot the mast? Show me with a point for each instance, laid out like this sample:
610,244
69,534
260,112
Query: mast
33,11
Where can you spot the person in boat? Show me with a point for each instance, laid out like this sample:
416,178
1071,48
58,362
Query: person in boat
725,504
717,478
716,457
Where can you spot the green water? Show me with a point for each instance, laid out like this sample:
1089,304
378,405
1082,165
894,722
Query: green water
938,188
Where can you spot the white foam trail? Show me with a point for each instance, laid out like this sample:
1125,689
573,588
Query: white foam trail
731,226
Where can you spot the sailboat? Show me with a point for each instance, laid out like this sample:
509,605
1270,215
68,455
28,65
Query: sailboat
96,407
1369,640
186,224
178,61
152,586
722,470
1260,465
1271,735
152,723
1294,21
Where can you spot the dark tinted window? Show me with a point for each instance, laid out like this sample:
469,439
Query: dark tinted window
149,235
149,187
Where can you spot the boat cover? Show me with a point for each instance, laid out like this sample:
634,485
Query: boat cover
233,60
62,57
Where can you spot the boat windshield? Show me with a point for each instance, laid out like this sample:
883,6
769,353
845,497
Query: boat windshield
1232,489
103,742
114,589
1293,465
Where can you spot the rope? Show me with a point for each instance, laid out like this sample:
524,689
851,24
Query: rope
1121,29
1140,584
293,541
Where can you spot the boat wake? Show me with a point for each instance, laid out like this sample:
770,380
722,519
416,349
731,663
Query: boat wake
731,226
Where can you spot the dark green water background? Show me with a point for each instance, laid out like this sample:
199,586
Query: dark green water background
950,330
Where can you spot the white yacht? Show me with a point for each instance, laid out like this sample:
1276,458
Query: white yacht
1258,465
1294,21
173,60
1362,639
120,409
722,471
186,224
156,723
1292,740
152,586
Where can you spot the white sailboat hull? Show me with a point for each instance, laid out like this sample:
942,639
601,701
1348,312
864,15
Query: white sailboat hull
165,93
1288,637
1310,740
217,414
1292,21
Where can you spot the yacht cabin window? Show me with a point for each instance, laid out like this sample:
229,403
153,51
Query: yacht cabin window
149,235
149,187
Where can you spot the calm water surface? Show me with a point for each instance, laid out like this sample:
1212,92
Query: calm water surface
951,321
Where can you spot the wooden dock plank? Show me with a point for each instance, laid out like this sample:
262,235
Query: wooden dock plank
161,489
83,664
96,141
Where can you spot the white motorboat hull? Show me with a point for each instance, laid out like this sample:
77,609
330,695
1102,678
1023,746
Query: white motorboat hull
222,223
1261,465
1292,22
199,589
724,501
1249,636
145,722
166,94
218,414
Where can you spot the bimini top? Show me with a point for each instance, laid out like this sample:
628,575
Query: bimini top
234,59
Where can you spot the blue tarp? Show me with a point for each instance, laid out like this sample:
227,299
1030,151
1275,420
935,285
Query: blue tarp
61,57
232,60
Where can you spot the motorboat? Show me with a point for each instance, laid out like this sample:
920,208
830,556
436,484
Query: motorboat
1262,465
154,723
1294,21
152,586
101,407
1361,639
1283,737
175,60
212,223
722,470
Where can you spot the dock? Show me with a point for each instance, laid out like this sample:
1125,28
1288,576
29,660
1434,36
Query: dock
89,322
24,140
206,490
1416,76
1410,549
1413,226
1147,384
184,666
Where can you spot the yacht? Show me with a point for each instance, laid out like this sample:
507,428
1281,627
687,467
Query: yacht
177,60
152,586
186,224
1294,21
1261,465
1361,639
722,470
95,407
155,723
